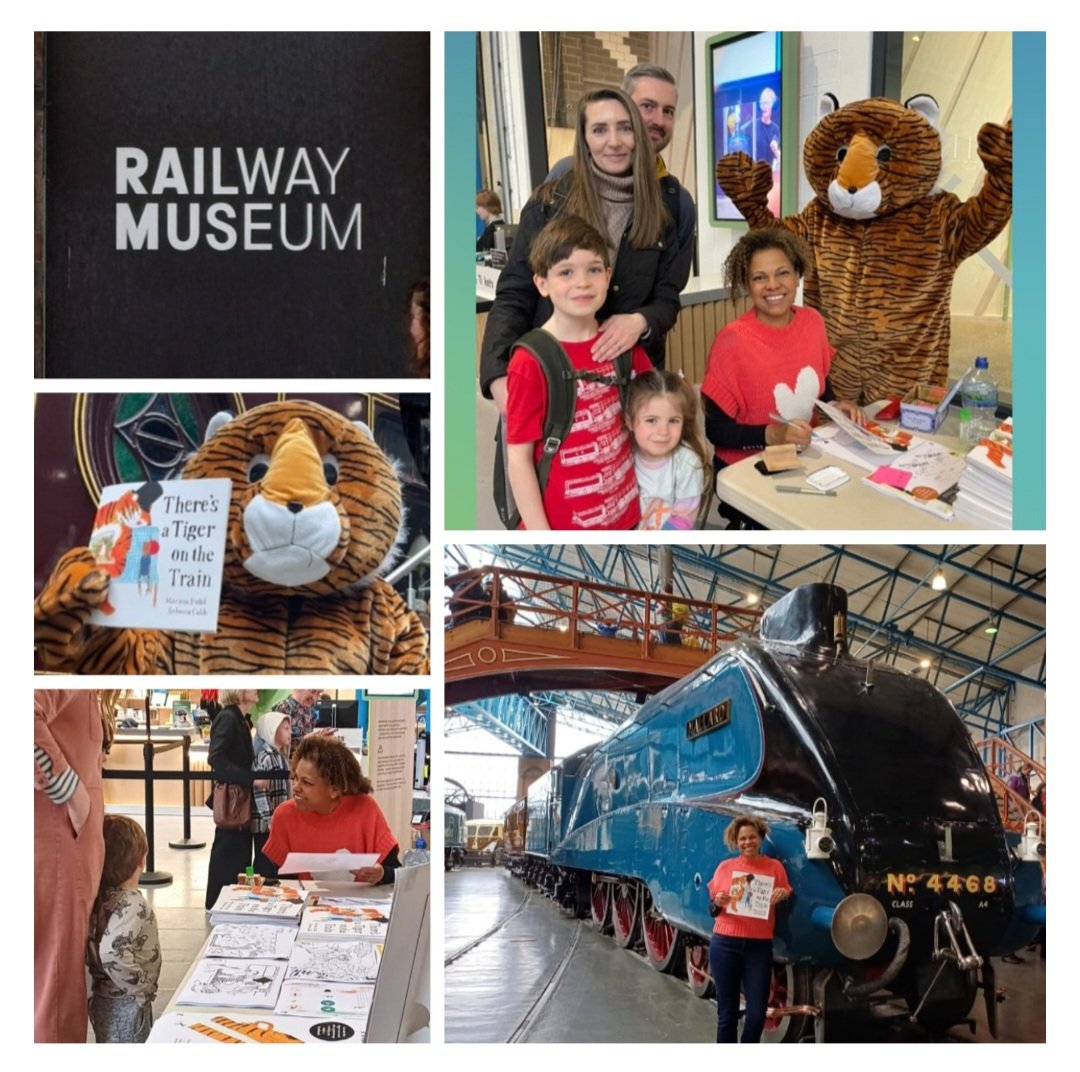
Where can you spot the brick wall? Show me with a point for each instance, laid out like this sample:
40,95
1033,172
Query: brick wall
575,63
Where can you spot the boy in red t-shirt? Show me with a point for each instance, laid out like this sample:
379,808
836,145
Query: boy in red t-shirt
591,483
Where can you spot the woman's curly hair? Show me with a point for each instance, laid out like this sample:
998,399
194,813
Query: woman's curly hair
737,265
336,764
731,834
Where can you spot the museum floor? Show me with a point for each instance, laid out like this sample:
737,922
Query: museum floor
574,985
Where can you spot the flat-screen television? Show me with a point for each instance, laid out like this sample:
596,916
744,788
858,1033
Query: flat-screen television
337,714
746,79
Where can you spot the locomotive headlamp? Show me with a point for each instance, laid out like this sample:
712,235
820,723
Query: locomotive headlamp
859,926
1033,843
819,840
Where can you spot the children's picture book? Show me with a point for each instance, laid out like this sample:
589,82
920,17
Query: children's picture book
243,984
335,962
249,941
927,476
186,1027
305,997
750,894
163,546
343,917
258,904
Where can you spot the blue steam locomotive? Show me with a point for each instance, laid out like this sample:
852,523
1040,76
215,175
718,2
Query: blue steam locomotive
878,805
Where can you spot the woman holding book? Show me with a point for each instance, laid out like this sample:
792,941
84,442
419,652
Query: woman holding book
231,756
332,809
744,893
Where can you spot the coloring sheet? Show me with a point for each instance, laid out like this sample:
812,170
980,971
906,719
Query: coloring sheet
302,997
248,941
245,984
335,962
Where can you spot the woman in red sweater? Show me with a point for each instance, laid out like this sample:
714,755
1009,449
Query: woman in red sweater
332,808
745,890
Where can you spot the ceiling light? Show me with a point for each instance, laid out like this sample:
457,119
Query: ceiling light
939,584
751,598
924,663
991,627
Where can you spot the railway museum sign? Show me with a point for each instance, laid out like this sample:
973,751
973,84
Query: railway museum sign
248,204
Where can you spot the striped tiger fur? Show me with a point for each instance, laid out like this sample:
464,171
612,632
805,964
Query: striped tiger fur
885,244
315,518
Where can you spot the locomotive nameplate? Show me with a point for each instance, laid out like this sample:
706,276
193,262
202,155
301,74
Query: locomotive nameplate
713,719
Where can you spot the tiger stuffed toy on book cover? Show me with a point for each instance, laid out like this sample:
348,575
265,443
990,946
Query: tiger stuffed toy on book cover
885,241
315,520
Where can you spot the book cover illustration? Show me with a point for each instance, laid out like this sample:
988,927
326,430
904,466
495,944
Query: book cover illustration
304,997
249,941
335,962
750,894
250,904
245,984
163,546
189,1027
927,476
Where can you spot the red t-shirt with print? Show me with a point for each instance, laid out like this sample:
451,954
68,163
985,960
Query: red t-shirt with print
591,483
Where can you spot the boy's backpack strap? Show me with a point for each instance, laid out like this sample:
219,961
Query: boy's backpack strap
562,394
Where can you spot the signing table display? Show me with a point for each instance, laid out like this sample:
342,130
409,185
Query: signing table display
303,962
790,500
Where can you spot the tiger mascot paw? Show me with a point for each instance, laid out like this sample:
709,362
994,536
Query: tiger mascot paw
63,607
745,182
995,146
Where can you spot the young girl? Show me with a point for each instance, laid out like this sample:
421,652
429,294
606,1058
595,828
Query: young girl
671,460
773,361
274,729
122,953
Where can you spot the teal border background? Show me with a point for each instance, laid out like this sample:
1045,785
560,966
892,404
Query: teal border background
1029,277
460,323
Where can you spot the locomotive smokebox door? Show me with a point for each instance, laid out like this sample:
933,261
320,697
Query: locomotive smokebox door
813,616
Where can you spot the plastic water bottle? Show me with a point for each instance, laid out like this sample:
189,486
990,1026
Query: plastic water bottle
418,854
979,394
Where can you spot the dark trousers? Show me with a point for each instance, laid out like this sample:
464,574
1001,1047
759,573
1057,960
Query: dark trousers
263,864
744,964
229,855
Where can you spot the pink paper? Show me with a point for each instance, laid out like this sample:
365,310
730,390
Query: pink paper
890,477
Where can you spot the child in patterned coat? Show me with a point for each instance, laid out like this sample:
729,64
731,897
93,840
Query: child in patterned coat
123,952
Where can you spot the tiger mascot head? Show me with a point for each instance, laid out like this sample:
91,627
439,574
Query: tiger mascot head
316,505
873,157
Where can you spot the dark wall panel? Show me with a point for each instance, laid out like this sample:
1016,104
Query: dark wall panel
237,312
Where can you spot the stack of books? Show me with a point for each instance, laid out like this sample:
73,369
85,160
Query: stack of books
259,904
984,499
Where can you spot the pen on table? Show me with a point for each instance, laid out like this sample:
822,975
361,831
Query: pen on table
814,434
804,491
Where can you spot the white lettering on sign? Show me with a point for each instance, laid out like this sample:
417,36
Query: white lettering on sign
300,179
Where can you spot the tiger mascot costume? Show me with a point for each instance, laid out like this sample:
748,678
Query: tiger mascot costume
315,519
885,243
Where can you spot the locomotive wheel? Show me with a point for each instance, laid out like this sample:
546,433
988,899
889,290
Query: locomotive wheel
791,985
955,1003
600,905
663,943
697,969
626,914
